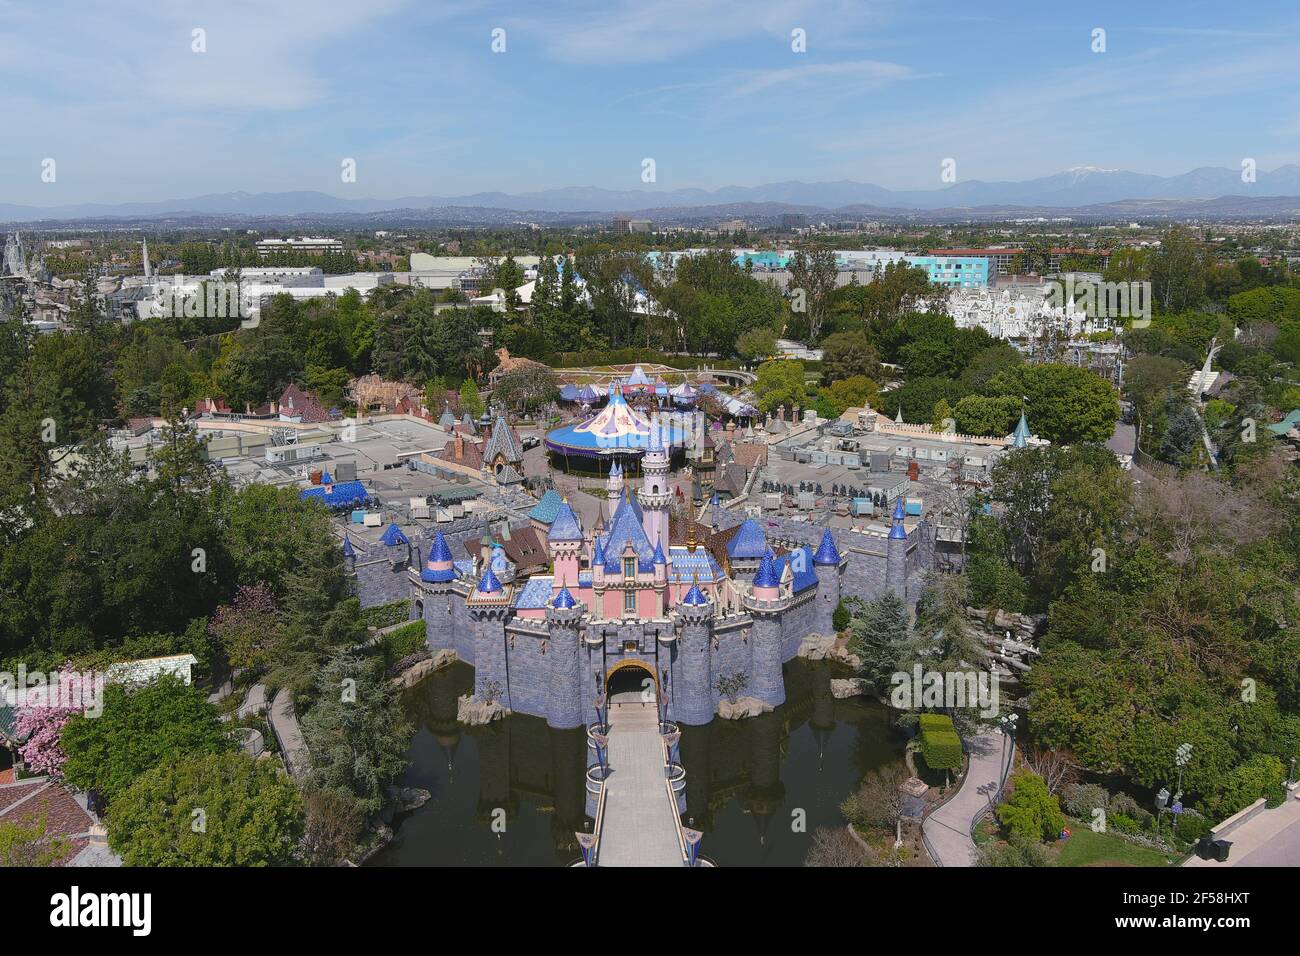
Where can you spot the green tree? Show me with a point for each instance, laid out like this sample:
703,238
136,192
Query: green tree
1066,404
847,355
1030,812
207,810
138,730
357,731
780,382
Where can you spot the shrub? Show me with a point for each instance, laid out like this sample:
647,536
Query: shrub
941,749
1123,803
840,619
1261,776
386,615
1191,826
403,641
1031,813
1081,799
1123,823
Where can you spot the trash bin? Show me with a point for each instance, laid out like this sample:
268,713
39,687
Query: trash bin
1221,848
1205,848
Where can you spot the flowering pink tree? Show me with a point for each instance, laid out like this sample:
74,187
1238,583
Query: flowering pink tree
248,626
42,721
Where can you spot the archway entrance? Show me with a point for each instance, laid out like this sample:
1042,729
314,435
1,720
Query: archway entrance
632,682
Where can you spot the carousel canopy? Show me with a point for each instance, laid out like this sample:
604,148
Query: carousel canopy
618,428
569,393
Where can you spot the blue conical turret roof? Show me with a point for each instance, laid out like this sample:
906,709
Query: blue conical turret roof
659,554
564,600
695,597
898,531
767,576
488,584
348,550
439,552
827,553
393,535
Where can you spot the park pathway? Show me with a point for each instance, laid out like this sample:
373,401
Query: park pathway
284,722
640,826
947,830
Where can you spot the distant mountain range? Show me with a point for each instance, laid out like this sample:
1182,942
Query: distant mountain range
1080,188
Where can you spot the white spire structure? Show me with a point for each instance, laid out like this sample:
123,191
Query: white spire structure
144,257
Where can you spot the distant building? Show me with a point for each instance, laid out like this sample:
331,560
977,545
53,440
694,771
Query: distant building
310,245
624,225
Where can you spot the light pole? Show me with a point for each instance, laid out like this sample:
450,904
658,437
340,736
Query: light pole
1162,801
1182,757
1008,723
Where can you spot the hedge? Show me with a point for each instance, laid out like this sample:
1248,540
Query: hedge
940,745
404,641
386,615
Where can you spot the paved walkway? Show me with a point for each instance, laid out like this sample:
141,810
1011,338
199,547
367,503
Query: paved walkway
640,823
947,830
1271,838
284,722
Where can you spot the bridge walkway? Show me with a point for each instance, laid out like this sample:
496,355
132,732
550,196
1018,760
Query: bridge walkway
640,826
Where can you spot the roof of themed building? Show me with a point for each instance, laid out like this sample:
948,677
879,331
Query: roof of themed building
534,595
564,600
625,528
688,565
565,527
343,494
749,542
503,441
804,576
545,510
618,427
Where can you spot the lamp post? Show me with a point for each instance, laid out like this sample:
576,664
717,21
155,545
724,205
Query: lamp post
1008,723
1182,757
1162,801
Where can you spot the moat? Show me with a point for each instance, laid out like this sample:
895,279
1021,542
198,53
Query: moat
745,779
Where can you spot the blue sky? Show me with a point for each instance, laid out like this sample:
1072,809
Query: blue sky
710,89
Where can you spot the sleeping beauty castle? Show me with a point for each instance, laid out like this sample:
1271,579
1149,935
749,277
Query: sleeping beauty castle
617,607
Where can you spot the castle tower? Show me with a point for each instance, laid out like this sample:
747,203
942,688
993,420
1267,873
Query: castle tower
488,606
828,566
349,554
436,577
661,579
613,489
565,540
655,495
692,699
564,704
767,607
896,553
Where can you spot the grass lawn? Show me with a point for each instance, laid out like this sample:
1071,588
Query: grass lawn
1088,848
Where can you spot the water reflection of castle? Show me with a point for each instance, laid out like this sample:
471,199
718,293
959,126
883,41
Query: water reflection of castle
522,757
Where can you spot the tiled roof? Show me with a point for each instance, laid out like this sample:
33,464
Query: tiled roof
687,565
749,542
439,551
624,528
488,583
565,600
41,798
343,494
535,594
546,509
504,442
565,527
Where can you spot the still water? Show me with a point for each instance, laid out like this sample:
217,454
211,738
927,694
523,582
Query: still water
745,779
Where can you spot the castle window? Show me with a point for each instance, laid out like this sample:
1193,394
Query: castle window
629,601
629,567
